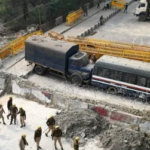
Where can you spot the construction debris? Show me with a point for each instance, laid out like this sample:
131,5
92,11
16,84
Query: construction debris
124,139
84,123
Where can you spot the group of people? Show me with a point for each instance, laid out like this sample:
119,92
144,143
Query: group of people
56,132
13,112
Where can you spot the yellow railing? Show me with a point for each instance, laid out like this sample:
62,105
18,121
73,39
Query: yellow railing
105,47
16,45
74,17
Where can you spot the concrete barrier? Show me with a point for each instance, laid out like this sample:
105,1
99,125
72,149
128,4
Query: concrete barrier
125,117
145,126
40,96
101,110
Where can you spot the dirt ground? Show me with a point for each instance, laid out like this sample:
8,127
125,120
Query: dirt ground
87,124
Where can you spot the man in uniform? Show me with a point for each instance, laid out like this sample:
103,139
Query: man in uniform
37,137
1,114
9,104
126,8
14,111
50,122
94,58
22,117
23,142
76,143
57,134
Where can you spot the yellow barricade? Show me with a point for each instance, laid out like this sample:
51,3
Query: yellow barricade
74,17
16,45
118,4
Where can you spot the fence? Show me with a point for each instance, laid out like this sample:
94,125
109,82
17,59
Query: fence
74,17
16,45
118,4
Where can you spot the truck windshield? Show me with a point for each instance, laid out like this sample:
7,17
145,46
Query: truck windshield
141,5
84,61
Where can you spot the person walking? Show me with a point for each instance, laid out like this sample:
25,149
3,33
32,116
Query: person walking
94,58
98,4
76,143
50,123
37,137
57,134
85,10
22,117
23,142
126,8
1,114
14,111
105,6
9,104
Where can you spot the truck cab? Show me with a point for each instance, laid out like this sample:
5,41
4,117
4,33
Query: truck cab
80,69
142,10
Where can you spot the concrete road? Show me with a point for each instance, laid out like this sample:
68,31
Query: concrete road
125,27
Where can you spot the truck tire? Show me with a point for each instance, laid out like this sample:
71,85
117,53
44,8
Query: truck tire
76,80
39,70
142,17
112,90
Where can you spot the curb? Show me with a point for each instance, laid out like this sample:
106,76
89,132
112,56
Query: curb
79,22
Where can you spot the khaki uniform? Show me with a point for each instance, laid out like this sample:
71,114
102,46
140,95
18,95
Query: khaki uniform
22,117
13,110
1,114
37,137
22,143
57,133
76,145
50,122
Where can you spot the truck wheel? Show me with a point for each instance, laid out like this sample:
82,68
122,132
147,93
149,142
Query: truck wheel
112,90
39,70
76,80
142,18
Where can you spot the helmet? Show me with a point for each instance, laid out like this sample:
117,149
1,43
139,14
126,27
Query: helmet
10,96
23,135
77,138
20,107
14,105
39,127
51,116
0,104
56,127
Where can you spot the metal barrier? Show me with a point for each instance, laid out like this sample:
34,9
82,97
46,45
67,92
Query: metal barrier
118,4
16,45
74,17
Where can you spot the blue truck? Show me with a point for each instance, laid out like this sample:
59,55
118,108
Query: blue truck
58,57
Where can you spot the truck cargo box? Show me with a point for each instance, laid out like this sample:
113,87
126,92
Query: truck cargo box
49,52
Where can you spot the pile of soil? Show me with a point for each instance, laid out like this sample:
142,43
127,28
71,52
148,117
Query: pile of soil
84,123
124,139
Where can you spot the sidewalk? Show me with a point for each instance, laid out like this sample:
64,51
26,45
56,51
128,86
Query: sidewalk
84,26
91,12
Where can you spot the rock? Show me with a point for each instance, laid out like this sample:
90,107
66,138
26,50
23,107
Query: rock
83,135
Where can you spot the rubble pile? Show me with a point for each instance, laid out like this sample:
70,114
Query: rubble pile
124,139
82,122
